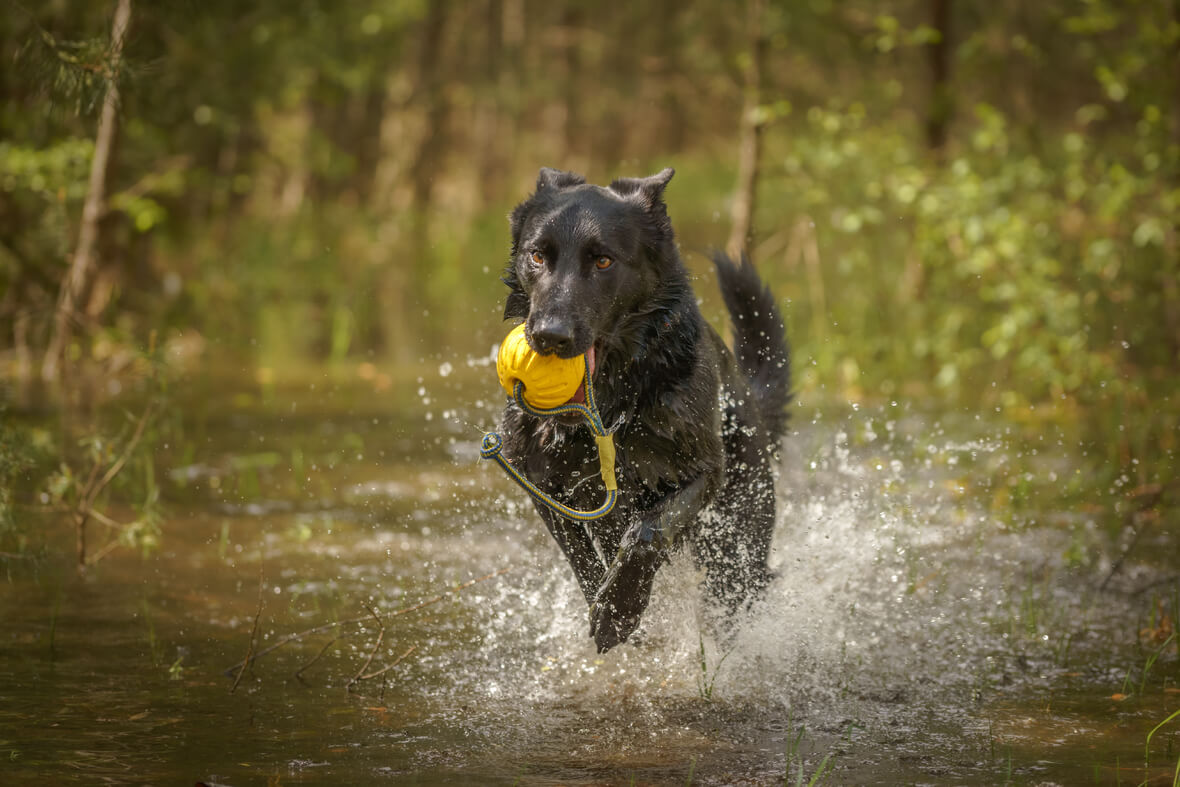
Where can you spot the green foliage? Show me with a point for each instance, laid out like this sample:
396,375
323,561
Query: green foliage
1147,742
75,72
126,456
1011,276
54,174
310,182
16,460
27,458
41,186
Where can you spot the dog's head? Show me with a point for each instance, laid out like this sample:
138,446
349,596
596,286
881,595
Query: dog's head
583,256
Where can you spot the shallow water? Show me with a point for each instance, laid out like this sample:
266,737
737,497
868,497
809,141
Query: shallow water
923,629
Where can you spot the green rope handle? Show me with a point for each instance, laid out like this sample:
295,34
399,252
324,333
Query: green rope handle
493,443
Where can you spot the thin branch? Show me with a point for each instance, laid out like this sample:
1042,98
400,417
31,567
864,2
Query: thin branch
253,634
385,669
107,549
456,589
124,457
1147,497
1155,583
89,492
81,513
103,519
1136,533
297,636
299,672
372,651
354,621
149,182
91,480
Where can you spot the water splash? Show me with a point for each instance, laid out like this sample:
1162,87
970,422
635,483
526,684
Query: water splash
898,598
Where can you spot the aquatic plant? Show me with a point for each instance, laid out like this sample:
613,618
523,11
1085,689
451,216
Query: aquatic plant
705,681
1147,741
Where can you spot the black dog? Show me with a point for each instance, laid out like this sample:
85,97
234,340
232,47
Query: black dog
595,270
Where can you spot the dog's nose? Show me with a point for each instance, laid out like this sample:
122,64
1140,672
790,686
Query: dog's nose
553,336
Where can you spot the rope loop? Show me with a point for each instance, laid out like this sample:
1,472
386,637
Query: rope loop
492,444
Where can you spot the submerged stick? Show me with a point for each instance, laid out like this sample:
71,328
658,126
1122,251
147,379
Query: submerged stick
253,634
388,667
1154,584
299,672
372,651
1148,497
361,619
456,589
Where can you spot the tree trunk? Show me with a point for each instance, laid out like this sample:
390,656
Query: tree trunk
673,119
1171,289
487,115
429,96
82,267
938,56
1176,81
569,73
741,234
411,141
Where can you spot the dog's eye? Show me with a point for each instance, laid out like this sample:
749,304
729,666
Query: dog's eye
603,262
537,258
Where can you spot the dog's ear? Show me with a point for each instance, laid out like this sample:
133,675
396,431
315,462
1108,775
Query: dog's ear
517,302
516,222
649,194
549,178
649,190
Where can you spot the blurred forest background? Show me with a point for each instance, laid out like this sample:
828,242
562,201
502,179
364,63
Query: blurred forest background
957,201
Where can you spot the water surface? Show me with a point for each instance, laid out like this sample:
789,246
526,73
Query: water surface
939,616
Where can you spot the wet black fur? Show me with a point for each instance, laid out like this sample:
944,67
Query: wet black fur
698,429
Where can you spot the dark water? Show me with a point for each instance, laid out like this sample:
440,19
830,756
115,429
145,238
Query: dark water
925,628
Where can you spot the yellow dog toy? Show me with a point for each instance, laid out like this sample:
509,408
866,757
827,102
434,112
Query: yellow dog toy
548,380
544,385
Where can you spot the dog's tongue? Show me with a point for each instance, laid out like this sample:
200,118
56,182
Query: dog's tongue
580,395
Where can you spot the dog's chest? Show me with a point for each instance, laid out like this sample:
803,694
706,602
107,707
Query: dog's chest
652,458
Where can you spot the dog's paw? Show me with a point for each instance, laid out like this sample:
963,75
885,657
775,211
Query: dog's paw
623,595
608,628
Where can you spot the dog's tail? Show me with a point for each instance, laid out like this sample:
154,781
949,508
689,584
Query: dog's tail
759,341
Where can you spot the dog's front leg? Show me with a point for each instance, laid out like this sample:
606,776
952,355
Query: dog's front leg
579,550
626,588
